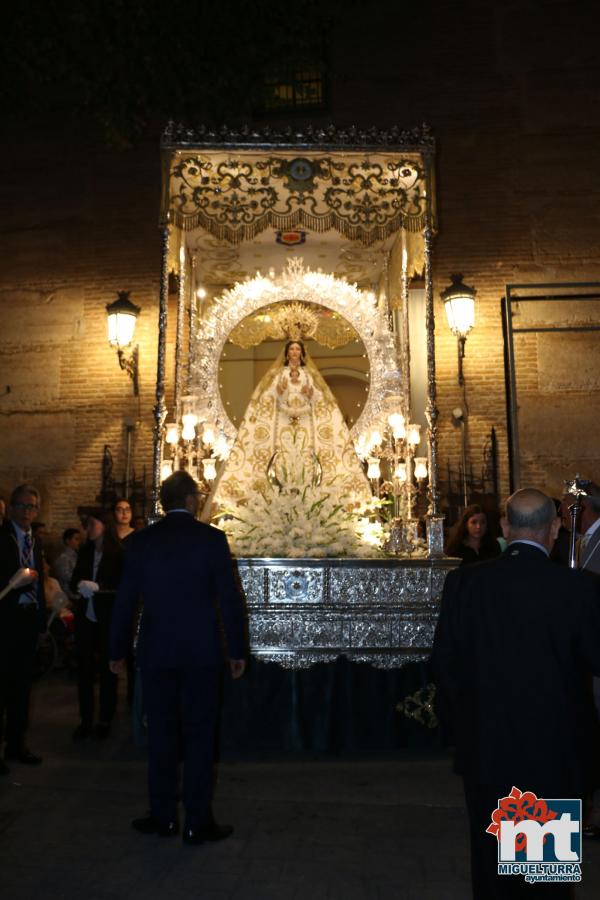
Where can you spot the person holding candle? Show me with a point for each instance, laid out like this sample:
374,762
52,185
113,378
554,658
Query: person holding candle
22,620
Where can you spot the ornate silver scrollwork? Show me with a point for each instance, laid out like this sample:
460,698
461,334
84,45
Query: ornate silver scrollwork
301,612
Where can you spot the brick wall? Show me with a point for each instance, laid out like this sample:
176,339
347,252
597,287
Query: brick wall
80,229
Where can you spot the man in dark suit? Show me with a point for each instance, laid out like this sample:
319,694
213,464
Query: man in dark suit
182,572
22,620
589,546
589,559
517,641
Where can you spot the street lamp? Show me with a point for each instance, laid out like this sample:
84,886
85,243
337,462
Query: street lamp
459,300
122,315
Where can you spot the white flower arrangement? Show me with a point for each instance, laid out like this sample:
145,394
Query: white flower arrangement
297,522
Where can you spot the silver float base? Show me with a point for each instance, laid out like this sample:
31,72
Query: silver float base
306,611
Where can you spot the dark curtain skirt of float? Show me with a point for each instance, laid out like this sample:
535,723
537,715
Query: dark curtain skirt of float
340,709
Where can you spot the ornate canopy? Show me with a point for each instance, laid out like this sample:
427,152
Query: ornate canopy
238,207
346,191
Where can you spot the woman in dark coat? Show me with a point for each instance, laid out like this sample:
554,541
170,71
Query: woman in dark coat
471,538
95,580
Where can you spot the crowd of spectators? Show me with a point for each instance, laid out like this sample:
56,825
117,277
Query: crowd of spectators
73,589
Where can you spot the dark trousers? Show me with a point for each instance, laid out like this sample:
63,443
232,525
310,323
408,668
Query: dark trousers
91,642
481,801
181,709
18,643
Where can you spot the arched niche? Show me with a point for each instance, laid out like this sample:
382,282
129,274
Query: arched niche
296,284
344,366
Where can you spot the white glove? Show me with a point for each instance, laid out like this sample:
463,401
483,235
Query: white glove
87,589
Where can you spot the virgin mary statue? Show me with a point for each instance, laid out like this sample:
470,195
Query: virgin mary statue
293,434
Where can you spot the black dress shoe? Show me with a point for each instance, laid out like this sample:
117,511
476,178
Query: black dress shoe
149,825
24,756
204,833
82,732
4,770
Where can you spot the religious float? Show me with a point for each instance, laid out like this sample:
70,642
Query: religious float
304,395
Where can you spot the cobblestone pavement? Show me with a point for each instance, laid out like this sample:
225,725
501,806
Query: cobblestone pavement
315,829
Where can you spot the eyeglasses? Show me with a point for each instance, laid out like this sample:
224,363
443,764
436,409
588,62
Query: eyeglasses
26,507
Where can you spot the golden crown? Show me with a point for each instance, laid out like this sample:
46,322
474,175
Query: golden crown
294,321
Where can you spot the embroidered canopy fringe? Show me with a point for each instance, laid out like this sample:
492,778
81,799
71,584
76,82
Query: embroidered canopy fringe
247,231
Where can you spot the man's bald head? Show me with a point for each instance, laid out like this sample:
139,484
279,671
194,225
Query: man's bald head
531,516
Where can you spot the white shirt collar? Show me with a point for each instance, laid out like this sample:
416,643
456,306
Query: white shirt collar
593,528
21,533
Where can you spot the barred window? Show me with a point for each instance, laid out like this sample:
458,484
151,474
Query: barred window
298,90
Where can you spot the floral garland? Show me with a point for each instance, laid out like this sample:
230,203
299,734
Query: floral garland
308,522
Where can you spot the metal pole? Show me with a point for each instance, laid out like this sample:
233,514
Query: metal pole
577,488
463,436
409,493
180,333
512,394
129,427
405,328
432,410
573,512
160,410
435,522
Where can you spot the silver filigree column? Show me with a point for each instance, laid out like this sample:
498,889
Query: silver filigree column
192,320
409,487
183,282
160,409
405,328
435,522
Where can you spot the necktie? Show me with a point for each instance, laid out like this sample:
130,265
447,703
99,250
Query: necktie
27,554
29,595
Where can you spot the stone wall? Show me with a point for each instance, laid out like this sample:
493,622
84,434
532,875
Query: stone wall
511,92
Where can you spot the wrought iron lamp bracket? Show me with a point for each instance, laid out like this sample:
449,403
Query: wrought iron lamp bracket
130,364
462,340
